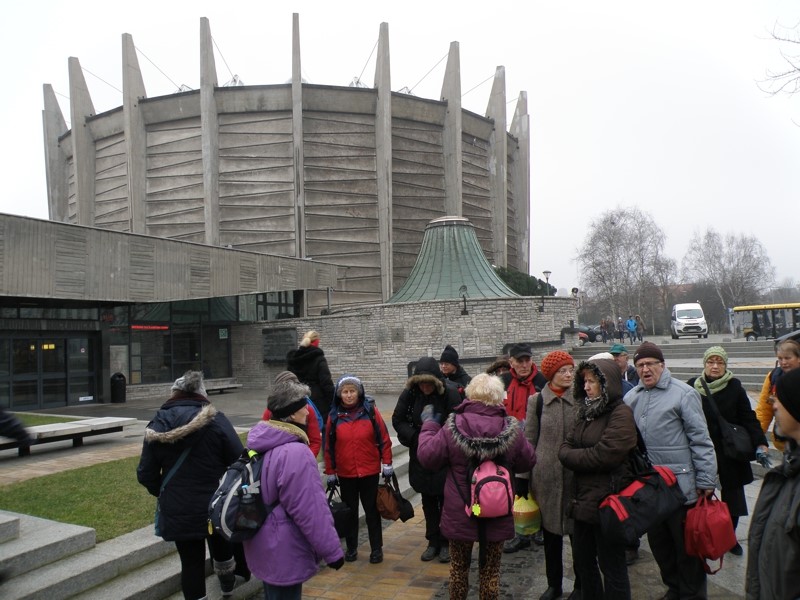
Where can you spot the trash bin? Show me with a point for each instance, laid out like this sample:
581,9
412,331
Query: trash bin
118,388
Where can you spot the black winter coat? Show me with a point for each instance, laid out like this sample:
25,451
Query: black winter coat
407,423
188,421
734,406
311,368
461,379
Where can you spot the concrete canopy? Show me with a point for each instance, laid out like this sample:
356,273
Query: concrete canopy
450,265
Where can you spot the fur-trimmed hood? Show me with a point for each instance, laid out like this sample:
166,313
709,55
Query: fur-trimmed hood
177,420
608,373
427,371
471,426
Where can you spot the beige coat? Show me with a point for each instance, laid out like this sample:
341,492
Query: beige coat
552,484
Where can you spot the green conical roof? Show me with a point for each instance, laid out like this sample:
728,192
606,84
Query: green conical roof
449,260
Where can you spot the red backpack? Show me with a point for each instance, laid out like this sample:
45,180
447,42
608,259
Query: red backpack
709,532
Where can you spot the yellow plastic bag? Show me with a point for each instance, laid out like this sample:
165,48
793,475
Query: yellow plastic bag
527,518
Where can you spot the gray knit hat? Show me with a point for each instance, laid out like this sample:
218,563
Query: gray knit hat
286,398
191,383
286,376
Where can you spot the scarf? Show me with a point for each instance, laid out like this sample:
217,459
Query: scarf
591,408
717,385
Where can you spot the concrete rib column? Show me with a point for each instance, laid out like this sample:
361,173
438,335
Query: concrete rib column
498,186
55,160
209,131
383,151
297,142
83,145
521,180
452,138
135,135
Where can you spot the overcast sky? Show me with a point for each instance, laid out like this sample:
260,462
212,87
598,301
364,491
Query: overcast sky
649,104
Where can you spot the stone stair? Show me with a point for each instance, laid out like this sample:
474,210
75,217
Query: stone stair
46,560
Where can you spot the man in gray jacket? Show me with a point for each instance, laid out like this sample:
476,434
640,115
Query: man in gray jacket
669,414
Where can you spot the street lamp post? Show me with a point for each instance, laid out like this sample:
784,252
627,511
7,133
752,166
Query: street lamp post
547,288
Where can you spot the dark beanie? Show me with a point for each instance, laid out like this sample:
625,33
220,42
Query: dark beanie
449,355
286,398
648,350
788,389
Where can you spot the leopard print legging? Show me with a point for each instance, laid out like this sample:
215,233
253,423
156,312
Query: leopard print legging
488,576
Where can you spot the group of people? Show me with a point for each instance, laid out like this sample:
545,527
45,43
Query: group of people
633,328
565,431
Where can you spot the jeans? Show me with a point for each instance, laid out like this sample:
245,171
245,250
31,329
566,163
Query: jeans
365,489
682,574
590,548
280,592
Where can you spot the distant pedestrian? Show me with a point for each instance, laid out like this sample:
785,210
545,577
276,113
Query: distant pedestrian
309,364
630,327
477,430
639,328
621,330
452,369
499,367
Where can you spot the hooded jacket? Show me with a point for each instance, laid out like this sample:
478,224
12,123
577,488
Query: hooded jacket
406,419
311,368
473,433
597,448
299,532
186,421
774,539
358,450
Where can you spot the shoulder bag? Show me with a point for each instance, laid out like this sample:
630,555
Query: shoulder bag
164,482
709,532
736,442
342,513
391,503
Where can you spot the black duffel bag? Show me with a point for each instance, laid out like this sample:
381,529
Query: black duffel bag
342,513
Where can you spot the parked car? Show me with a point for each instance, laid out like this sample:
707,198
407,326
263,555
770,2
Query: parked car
582,338
592,332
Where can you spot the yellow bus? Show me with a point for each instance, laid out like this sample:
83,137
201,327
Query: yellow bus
765,321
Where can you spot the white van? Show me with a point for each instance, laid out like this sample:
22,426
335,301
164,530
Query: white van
688,319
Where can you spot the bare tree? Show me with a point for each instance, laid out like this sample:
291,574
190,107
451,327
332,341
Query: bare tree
785,80
735,266
622,263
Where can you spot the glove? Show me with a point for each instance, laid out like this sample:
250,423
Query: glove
521,487
337,564
762,456
388,470
427,414
333,481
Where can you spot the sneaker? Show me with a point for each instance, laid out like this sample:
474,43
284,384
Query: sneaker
516,544
351,555
376,556
737,550
631,556
444,554
430,553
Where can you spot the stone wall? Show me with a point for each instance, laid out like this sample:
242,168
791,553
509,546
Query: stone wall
377,342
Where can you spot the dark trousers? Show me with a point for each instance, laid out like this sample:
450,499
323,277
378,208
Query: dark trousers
553,558
590,548
283,592
432,509
365,489
193,562
682,574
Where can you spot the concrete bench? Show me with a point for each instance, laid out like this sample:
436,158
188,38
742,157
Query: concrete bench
220,385
72,430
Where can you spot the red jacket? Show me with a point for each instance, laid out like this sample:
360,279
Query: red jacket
312,429
356,447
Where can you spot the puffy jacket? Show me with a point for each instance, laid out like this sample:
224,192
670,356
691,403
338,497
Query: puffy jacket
353,449
299,532
518,390
187,421
670,417
597,449
311,368
774,539
764,410
473,433
406,420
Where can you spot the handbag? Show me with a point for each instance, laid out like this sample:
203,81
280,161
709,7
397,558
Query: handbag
342,514
391,503
709,532
736,442
652,497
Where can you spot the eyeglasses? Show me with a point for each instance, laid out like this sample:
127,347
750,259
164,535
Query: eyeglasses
716,362
566,371
647,365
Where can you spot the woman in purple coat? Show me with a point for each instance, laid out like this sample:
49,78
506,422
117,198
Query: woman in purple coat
477,430
299,532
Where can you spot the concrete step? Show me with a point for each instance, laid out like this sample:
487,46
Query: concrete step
41,542
9,527
244,589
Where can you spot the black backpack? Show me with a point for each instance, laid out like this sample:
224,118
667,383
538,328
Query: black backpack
237,510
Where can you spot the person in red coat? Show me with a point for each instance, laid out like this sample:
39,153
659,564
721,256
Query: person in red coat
357,443
312,429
